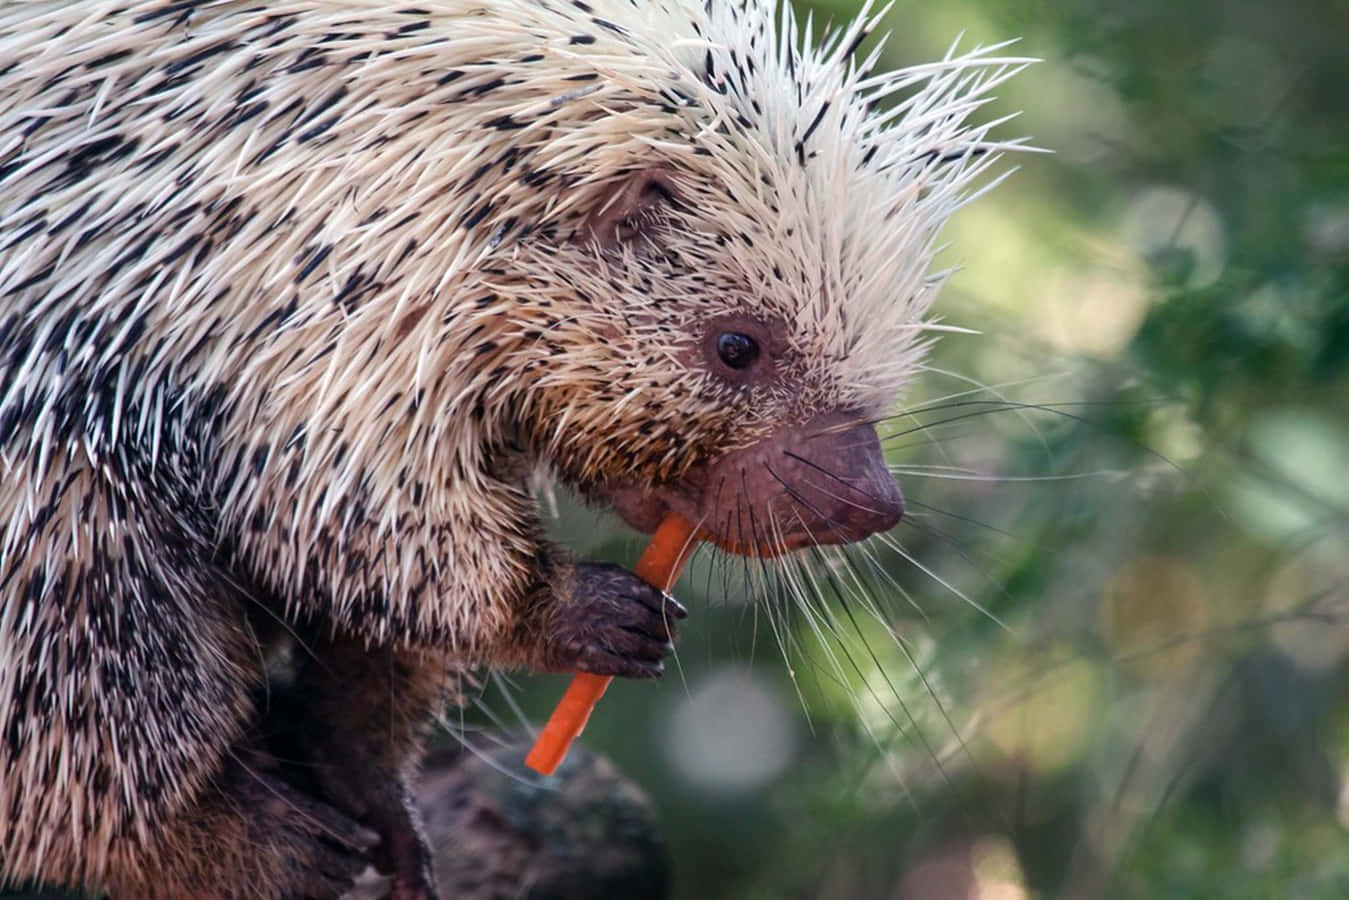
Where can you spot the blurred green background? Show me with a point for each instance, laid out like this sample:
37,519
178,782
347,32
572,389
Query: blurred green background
1104,654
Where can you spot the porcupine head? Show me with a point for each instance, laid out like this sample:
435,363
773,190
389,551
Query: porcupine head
672,252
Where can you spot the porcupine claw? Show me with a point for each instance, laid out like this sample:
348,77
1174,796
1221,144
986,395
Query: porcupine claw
615,624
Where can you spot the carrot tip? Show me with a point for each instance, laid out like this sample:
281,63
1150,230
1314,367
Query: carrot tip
545,763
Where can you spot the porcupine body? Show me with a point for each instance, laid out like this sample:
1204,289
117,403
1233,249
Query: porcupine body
294,295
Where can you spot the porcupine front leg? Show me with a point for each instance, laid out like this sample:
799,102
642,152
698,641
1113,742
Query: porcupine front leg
356,717
357,711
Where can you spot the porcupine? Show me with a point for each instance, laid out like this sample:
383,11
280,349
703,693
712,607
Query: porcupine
294,297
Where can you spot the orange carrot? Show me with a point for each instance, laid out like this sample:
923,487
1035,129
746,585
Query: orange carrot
659,567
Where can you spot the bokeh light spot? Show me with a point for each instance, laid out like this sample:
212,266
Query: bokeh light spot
1178,231
1301,480
1152,613
732,732
1051,719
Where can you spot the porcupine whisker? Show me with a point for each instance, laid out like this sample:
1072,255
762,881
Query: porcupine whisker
796,495
260,657
824,517
513,773
853,503
1003,404
815,544
891,542
884,574
788,602
976,387
968,520
798,577
965,555
943,442
861,443
997,391
753,525
936,404
788,644
810,600
459,729
848,562
766,577
988,407
505,686
1054,409
955,731
745,525
927,428
722,563
831,640
752,610
738,516
756,579
698,548
843,602
1025,685
276,617
840,479
781,575
969,475
772,573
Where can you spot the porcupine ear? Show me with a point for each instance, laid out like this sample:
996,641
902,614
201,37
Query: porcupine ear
625,215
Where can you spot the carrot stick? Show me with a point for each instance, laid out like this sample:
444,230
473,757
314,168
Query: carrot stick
659,567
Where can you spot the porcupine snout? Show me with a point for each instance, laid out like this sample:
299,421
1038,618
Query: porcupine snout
824,482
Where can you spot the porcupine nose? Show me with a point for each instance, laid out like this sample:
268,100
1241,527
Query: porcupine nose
824,482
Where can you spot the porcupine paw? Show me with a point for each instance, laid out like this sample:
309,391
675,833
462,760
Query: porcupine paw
615,624
381,800
404,853
309,848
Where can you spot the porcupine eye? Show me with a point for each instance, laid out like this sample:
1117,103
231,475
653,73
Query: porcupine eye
739,351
